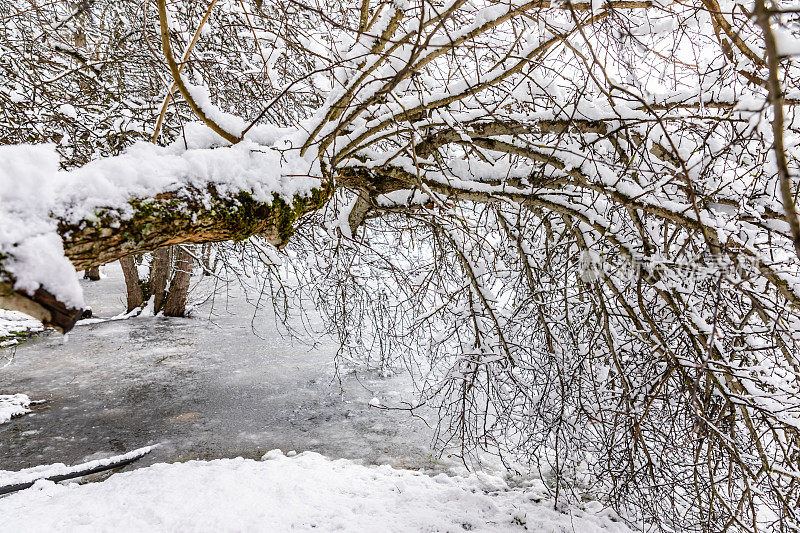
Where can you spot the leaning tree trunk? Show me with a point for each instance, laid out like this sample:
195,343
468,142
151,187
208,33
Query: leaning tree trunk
169,218
133,286
179,286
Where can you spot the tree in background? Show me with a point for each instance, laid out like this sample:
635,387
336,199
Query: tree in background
167,282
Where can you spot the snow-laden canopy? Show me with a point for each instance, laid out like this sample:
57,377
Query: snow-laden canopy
581,215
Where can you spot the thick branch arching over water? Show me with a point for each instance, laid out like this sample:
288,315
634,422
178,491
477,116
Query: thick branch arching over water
198,203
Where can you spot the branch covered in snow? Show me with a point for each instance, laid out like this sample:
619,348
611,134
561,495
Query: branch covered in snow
15,481
55,221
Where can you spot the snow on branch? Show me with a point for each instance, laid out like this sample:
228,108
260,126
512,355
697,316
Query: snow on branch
55,221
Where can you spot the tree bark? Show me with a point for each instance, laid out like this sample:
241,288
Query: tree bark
133,286
206,259
92,273
160,270
179,287
189,217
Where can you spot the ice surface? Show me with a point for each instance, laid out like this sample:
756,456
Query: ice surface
205,388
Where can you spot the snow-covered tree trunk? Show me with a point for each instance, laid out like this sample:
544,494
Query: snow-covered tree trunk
149,224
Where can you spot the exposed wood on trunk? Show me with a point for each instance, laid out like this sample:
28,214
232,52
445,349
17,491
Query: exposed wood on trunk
41,305
359,211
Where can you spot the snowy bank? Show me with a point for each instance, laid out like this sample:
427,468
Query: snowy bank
13,481
12,405
14,325
304,492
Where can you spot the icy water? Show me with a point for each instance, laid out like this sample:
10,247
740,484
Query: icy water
200,388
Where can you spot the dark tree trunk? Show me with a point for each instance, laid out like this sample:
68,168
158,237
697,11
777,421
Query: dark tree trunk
206,259
179,287
135,295
92,273
160,269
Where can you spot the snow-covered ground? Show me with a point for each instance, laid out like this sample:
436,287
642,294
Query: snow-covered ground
12,405
283,492
14,326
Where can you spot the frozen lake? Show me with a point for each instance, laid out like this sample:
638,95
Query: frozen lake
201,388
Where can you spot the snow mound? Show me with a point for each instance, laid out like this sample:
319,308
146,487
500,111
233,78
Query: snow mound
13,325
12,405
305,492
